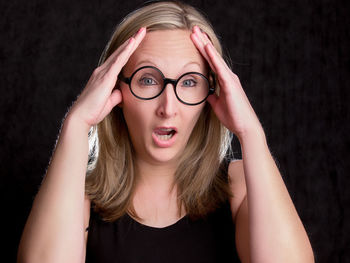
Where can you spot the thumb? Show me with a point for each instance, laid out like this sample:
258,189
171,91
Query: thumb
212,99
115,98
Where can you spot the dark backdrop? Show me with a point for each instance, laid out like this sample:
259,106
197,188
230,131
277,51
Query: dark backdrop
293,61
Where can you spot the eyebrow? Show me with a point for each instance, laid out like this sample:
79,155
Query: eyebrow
146,61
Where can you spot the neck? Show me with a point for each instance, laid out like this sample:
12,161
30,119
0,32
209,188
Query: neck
155,193
158,178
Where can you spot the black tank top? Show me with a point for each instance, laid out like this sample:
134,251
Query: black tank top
211,239
126,240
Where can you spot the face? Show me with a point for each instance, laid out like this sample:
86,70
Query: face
160,128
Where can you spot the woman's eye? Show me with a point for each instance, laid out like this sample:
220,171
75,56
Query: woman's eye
189,83
147,81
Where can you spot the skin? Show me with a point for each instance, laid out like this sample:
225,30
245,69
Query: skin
268,228
55,228
154,199
158,49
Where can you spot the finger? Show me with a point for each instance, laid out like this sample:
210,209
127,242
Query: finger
116,53
221,69
111,73
108,73
223,72
213,99
199,43
112,57
200,46
124,47
125,54
201,34
114,99
206,41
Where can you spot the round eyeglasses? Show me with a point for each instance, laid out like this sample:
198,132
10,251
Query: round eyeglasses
148,82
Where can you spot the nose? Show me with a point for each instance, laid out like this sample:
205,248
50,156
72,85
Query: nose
168,103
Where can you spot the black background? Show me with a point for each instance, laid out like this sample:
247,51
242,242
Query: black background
293,61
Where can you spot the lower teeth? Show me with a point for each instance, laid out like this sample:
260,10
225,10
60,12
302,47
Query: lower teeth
165,137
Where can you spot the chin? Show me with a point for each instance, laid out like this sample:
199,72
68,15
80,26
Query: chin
163,155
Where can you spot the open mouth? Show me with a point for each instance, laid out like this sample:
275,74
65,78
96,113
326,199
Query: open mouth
165,134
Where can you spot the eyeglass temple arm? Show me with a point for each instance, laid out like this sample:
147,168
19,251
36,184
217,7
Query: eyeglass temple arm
212,87
124,79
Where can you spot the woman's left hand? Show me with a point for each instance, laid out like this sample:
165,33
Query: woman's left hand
232,106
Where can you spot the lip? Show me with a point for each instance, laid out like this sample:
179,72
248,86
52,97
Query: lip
161,143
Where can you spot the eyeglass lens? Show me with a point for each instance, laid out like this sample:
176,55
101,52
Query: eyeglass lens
148,83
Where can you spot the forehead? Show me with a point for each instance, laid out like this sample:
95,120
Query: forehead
172,51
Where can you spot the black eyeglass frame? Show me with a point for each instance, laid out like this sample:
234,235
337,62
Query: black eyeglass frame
166,81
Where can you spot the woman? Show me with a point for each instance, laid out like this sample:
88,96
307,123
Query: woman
164,103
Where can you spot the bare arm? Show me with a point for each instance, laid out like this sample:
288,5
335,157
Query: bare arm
268,226
55,230
56,221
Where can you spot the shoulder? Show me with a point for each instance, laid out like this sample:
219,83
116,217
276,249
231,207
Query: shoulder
237,185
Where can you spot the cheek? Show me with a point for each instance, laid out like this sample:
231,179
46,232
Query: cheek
137,113
193,118
130,109
133,115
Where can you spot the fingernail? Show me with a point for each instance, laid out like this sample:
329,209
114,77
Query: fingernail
138,32
196,28
141,30
205,35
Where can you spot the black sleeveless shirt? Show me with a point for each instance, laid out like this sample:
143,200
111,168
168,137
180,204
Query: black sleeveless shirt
205,240
211,239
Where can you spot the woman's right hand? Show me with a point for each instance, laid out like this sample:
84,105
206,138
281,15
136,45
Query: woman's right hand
98,97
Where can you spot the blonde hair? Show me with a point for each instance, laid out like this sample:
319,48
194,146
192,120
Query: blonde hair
201,179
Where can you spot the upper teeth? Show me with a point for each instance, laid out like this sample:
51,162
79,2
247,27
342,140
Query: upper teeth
165,137
166,130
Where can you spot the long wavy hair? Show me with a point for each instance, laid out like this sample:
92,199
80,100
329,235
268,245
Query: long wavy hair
200,178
